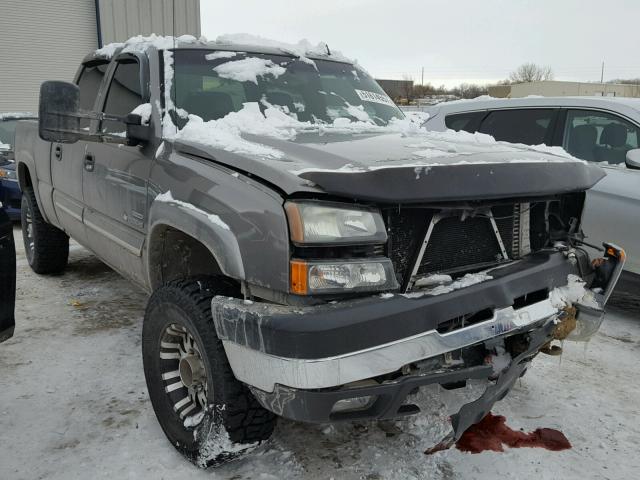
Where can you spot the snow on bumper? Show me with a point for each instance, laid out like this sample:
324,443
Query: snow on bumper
333,345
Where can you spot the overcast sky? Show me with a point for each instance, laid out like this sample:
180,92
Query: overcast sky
455,41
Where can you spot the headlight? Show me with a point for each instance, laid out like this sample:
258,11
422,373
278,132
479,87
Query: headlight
315,276
322,223
8,174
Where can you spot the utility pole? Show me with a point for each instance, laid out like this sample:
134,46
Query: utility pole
422,78
602,73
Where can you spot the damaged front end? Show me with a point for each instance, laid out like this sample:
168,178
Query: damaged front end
360,359
482,287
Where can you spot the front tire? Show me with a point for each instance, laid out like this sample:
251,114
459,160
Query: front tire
46,247
206,414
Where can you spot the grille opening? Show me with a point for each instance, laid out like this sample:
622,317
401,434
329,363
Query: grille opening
465,321
531,298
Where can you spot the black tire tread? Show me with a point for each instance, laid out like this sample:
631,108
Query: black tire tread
51,245
244,419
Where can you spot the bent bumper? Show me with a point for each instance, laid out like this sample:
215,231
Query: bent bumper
264,371
393,399
273,347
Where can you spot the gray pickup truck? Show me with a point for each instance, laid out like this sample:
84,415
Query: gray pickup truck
306,258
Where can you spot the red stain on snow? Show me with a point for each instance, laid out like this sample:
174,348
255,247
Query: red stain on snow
492,433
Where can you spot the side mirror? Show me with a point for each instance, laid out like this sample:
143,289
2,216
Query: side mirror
137,133
633,158
58,115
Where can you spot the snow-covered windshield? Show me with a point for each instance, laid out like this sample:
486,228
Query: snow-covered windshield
212,84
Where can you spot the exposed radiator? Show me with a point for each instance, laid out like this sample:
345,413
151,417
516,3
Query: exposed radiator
458,241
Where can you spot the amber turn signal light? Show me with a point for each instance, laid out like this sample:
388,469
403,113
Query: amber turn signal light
298,277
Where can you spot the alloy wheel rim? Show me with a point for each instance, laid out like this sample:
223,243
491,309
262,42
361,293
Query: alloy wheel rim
183,372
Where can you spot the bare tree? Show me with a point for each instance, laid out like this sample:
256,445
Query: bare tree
530,72
469,90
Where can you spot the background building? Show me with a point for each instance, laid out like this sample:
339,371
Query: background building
397,89
46,40
550,88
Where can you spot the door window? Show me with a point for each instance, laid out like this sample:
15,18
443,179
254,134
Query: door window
599,136
89,84
124,95
528,126
464,121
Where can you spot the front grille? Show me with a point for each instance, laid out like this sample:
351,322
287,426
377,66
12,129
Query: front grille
458,243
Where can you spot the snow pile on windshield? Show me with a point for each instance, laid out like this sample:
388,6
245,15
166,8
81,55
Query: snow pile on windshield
228,133
249,69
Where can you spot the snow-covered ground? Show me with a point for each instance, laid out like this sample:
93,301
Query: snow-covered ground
73,403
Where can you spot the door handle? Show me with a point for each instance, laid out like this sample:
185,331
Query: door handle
58,152
89,162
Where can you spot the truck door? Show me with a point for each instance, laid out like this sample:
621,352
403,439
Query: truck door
115,177
67,159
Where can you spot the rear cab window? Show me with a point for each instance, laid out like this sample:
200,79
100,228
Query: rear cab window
529,126
597,136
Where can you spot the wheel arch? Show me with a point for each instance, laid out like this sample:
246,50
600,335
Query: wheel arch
182,243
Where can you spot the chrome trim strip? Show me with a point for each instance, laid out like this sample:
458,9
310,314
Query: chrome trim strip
137,252
263,371
69,212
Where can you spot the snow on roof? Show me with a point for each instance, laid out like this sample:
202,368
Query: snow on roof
141,43
303,49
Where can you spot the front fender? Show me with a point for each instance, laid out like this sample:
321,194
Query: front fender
195,222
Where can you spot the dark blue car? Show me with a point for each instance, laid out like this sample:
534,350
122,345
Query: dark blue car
10,195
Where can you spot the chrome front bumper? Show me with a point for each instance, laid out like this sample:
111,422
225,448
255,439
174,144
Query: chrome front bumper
257,366
263,371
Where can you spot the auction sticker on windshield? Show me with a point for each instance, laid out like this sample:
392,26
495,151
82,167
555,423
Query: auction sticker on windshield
367,96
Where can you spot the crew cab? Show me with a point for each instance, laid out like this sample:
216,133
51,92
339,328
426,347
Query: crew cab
310,252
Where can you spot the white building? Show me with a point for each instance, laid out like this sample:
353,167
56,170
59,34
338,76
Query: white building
552,88
46,40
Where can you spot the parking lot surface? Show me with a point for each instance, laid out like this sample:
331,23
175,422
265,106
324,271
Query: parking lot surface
73,402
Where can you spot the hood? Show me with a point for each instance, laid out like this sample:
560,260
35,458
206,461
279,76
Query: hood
399,168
